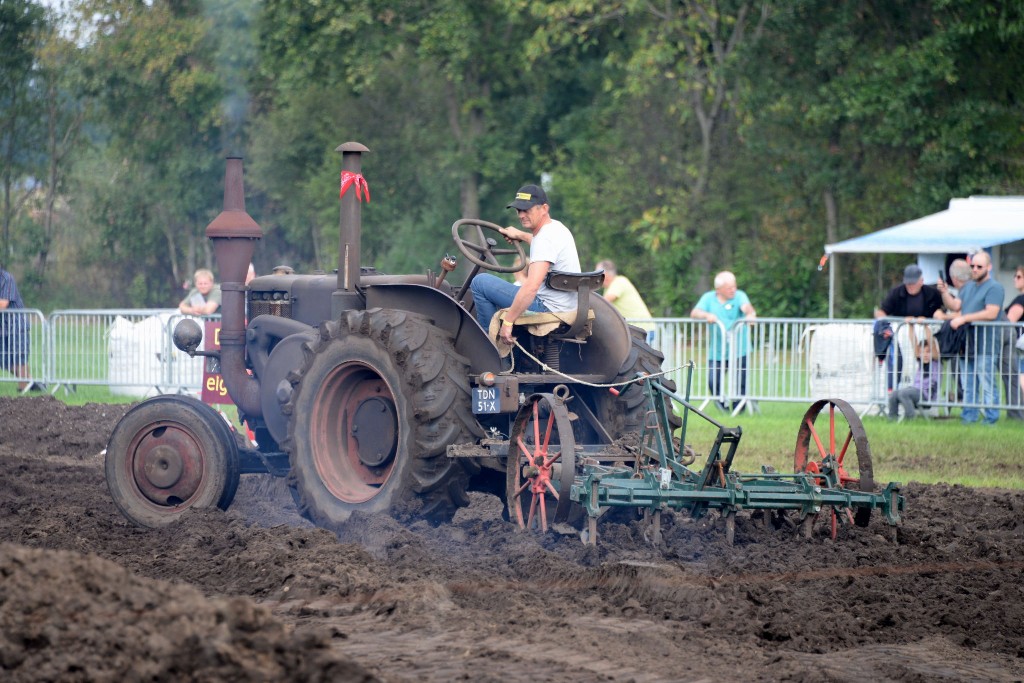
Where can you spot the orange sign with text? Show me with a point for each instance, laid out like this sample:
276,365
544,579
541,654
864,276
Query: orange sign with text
214,391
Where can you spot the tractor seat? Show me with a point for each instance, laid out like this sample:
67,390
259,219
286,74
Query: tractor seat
583,284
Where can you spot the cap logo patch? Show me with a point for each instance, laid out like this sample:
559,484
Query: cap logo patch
524,195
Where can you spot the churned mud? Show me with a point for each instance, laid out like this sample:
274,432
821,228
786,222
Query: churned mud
257,594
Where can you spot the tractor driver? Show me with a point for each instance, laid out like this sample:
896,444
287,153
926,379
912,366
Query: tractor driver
552,247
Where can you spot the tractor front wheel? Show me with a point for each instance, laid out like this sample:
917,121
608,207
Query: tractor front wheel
168,454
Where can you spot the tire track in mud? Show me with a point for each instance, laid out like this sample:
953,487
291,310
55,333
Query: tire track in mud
594,648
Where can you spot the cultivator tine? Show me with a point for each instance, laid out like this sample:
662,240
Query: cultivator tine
807,526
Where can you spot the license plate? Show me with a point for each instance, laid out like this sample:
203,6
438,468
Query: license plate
485,400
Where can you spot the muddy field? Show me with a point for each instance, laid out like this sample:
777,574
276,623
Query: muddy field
256,594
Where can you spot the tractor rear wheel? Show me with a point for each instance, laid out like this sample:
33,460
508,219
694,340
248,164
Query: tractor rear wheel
624,414
168,454
381,395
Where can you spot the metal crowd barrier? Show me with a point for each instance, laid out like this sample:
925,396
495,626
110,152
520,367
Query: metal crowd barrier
803,360
128,350
786,360
23,334
988,350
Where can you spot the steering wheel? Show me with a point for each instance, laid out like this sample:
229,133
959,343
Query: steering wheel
484,251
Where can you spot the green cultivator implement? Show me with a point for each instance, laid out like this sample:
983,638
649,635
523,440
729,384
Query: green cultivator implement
556,479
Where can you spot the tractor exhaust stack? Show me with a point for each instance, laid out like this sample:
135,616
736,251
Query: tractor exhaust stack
234,234
350,228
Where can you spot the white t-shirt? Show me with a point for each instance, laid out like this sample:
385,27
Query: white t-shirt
554,243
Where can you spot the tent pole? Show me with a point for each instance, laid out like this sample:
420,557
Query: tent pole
832,288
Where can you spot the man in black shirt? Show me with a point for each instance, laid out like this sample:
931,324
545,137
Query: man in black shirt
911,300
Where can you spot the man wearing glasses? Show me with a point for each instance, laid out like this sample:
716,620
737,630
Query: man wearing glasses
981,300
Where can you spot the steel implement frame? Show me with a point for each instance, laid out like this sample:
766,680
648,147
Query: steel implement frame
660,480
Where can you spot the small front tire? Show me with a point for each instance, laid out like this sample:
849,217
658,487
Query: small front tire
168,454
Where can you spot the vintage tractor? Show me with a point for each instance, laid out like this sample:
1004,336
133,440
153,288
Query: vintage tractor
370,392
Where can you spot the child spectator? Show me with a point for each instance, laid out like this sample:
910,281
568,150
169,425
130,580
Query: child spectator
925,386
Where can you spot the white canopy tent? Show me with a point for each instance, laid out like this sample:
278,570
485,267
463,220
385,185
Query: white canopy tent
968,225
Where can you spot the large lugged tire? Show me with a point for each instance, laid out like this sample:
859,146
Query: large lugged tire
380,396
169,454
624,414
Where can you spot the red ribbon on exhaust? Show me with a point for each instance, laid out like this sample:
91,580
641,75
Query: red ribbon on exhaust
348,179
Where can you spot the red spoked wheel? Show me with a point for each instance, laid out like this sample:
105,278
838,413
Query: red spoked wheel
828,445
541,464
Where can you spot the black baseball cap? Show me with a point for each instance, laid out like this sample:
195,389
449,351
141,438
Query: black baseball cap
527,196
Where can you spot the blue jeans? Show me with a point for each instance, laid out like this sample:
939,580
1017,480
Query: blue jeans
980,373
490,293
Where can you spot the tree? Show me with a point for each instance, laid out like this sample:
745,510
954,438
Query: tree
21,132
152,68
437,90
869,114
672,67
64,104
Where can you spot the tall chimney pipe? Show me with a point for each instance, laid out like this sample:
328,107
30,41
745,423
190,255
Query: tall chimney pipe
234,234
350,228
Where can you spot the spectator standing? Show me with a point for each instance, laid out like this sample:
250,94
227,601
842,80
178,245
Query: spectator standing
725,304
14,337
925,386
959,274
204,297
980,300
622,294
1012,360
912,300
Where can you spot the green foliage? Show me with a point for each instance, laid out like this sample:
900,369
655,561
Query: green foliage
678,139
21,125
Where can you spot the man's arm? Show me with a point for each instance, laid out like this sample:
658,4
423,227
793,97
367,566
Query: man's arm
748,308
990,312
611,292
209,308
525,296
4,303
701,314
948,300
516,235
